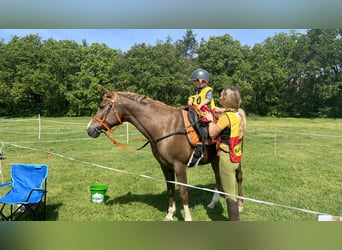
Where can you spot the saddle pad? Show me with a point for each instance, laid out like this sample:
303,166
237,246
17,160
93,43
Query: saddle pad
192,135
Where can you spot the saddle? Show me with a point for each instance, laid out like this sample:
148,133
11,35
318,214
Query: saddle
198,134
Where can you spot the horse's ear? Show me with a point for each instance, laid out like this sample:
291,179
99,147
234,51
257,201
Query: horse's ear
107,91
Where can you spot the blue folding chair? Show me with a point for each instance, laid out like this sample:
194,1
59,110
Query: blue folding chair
27,193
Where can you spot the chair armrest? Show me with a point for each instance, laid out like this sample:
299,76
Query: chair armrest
35,190
5,184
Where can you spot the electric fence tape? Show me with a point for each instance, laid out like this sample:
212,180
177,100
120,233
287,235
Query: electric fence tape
175,182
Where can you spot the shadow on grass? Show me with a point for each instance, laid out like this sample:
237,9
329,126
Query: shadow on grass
160,202
52,211
51,214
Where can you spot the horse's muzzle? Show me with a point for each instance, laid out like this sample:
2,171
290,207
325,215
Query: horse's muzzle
95,132
99,129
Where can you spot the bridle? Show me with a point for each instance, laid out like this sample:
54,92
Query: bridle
111,106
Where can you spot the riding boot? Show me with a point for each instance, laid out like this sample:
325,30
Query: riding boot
233,210
204,133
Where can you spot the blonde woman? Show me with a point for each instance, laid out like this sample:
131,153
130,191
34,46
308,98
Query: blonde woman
230,126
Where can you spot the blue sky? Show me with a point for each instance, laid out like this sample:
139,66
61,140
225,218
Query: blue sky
124,39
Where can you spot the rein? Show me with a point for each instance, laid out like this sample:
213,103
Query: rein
181,132
123,146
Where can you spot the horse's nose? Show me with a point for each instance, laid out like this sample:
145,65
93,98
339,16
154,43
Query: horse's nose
98,129
94,132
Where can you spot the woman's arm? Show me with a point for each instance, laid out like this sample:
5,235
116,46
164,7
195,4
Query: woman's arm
214,130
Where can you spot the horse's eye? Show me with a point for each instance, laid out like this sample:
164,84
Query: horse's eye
102,106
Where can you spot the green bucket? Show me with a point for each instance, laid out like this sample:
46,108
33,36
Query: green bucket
97,193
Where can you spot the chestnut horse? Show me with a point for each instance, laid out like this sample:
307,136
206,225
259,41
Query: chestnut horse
164,128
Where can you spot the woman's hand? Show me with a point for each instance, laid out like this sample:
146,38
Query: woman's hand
209,116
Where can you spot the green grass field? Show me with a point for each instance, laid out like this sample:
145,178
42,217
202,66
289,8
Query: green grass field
289,162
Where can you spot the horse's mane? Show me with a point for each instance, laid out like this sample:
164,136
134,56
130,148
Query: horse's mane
145,100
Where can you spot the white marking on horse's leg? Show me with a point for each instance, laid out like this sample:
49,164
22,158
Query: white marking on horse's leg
240,206
214,200
171,211
187,215
89,123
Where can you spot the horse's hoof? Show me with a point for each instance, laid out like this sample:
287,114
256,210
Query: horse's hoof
211,205
168,219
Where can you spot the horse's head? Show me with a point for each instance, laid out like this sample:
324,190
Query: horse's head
106,116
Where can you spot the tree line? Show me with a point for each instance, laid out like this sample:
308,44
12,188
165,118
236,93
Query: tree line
287,75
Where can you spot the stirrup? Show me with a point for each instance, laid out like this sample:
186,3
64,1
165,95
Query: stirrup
195,159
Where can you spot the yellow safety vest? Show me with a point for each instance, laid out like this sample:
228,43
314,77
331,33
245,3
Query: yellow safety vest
201,96
235,142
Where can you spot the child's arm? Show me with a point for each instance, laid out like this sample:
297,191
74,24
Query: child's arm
208,97
205,102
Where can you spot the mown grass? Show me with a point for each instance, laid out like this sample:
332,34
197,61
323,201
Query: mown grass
292,162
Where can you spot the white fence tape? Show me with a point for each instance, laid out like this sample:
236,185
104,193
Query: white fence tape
175,182
14,144
310,134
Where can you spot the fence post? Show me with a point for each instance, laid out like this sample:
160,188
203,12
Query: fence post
39,126
127,135
2,144
275,142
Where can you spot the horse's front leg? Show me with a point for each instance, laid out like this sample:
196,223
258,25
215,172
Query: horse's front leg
216,196
182,178
170,176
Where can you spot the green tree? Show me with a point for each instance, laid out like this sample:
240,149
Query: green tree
157,71
22,76
97,68
62,62
189,45
286,75
226,60
317,84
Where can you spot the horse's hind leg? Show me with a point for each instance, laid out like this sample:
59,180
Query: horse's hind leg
238,175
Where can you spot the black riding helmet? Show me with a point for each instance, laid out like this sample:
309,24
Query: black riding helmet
200,74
